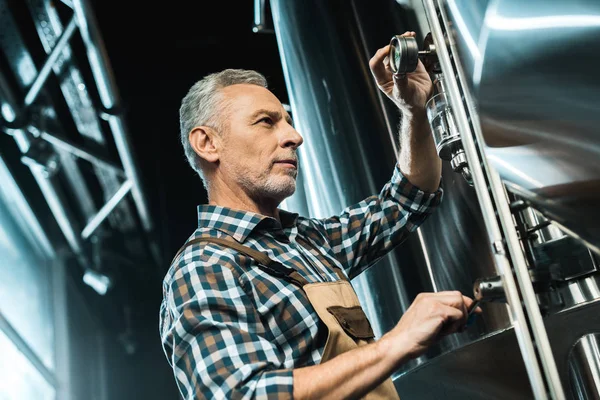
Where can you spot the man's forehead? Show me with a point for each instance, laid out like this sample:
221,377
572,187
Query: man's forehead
250,97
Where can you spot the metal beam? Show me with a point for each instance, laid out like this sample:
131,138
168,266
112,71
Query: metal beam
106,209
27,351
79,151
42,76
109,96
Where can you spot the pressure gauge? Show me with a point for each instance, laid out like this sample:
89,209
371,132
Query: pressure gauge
404,55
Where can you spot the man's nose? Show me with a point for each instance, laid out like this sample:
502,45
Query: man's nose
291,138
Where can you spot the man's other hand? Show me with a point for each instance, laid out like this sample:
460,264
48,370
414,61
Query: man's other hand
430,316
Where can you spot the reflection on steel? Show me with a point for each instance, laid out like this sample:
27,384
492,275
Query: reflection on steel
492,367
23,347
580,291
106,209
584,368
539,120
545,381
109,96
393,136
49,64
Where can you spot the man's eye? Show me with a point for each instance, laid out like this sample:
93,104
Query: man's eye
266,120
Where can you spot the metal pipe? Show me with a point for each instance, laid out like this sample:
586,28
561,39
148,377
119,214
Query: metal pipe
42,76
80,152
496,238
124,148
52,198
106,209
50,193
109,96
260,17
526,288
27,351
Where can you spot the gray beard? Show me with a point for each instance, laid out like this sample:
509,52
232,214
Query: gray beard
270,188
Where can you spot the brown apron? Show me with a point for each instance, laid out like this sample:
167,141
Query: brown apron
336,304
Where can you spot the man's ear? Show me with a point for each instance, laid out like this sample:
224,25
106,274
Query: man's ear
206,143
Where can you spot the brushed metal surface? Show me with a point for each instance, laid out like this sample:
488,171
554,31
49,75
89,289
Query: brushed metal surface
584,368
533,68
492,367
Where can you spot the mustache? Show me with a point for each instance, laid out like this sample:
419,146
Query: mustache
292,157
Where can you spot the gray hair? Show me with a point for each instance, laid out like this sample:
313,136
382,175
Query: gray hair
201,105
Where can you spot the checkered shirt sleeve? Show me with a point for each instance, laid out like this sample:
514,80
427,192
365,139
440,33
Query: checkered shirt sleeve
365,232
213,336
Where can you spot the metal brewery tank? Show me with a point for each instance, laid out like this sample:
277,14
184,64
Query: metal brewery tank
527,72
349,152
533,68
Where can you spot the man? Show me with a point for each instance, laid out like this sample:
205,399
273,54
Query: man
257,304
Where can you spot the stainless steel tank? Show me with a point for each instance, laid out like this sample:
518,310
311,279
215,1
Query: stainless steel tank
349,153
533,68
350,150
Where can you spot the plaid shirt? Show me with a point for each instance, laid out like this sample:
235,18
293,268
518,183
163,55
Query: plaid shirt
230,330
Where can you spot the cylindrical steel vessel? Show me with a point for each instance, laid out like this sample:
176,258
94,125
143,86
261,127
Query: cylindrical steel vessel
350,131
533,67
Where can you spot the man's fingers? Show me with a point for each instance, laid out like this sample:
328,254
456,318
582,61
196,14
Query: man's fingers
452,298
377,64
454,319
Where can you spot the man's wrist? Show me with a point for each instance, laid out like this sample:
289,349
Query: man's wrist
415,123
392,352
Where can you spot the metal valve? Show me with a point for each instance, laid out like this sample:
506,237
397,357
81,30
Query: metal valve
404,58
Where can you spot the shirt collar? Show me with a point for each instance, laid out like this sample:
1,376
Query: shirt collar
238,223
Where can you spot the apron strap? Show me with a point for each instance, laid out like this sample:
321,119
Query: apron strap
265,263
337,270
